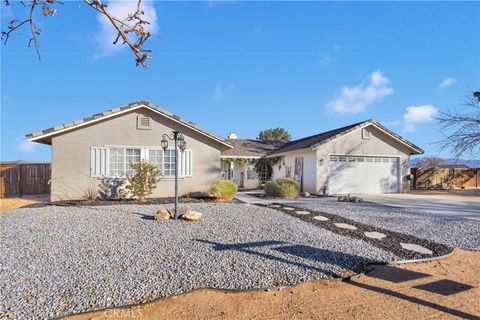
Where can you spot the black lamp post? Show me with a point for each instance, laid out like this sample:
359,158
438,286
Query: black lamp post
180,143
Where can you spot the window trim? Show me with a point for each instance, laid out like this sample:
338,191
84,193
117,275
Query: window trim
144,156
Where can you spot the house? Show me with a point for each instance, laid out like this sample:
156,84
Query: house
237,162
94,153
363,157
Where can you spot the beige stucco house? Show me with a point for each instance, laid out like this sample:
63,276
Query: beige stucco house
94,153
364,157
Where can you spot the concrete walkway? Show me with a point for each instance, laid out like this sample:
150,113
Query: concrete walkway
438,204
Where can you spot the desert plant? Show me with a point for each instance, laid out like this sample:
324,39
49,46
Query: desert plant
223,189
282,187
90,192
273,189
143,181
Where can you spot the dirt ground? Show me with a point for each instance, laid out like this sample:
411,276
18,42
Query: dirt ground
443,289
14,203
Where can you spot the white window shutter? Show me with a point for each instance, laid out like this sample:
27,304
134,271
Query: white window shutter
98,162
186,163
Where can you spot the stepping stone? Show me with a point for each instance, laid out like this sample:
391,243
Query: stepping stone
303,212
288,208
345,226
374,235
416,248
320,218
274,206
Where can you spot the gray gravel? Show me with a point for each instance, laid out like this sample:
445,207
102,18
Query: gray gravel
62,260
450,230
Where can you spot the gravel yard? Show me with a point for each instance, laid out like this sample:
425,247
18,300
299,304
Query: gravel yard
62,260
449,230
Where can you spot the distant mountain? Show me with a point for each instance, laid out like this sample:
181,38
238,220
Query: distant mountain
469,163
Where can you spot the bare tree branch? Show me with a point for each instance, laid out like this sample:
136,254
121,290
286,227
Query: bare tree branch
130,29
461,128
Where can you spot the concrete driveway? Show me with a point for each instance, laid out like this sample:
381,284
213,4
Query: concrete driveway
437,203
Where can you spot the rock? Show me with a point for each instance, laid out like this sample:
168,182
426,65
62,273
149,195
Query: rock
416,248
192,216
342,199
303,212
320,218
162,214
345,226
355,199
184,210
306,194
374,235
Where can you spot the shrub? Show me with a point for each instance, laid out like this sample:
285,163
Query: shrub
282,187
290,187
143,181
223,189
273,189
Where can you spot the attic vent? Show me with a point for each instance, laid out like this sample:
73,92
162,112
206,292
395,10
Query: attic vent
365,134
143,122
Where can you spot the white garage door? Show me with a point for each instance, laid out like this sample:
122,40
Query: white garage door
358,174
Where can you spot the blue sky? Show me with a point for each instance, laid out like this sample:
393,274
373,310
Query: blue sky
245,66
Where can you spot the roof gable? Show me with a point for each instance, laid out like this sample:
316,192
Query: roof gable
313,142
44,136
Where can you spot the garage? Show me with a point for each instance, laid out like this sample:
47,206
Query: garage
363,174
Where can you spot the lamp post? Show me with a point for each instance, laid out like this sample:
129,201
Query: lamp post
180,143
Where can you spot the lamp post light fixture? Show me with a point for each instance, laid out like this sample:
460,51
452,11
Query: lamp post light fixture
180,143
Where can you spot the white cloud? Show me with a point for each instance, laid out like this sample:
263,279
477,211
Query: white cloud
121,9
221,92
418,114
446,82
357,99
25,146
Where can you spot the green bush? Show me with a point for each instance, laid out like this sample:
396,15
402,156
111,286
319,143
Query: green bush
273,189
223,189
143,181
282,187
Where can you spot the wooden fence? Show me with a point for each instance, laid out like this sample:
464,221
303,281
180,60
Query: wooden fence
445,178
25,179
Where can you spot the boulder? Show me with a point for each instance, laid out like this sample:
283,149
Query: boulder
306,194
192,216
342,198
162,214
184,210
355,199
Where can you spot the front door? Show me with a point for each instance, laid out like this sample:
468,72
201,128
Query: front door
298,173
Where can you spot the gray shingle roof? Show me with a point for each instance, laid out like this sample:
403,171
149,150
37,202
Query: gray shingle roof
251,148
321,138
132,105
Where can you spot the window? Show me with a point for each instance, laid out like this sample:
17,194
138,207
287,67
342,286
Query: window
351,159
117,162
251,174
132,156
360,159
155,157
168,163
369,159
342,159
333,158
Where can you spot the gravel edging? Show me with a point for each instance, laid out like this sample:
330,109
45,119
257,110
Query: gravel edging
390,243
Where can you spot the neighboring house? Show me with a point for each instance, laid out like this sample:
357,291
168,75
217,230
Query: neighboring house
237,163
364,157
94,154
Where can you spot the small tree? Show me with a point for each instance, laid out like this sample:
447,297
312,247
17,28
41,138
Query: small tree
279,134
143,181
